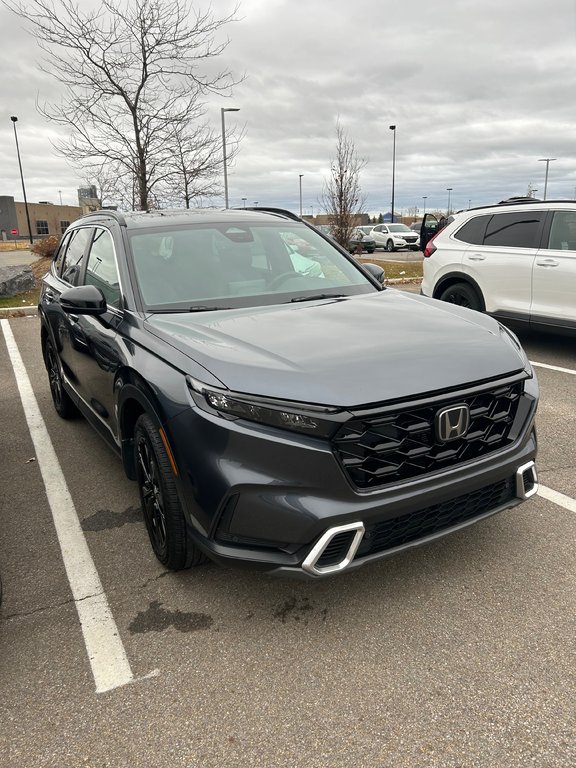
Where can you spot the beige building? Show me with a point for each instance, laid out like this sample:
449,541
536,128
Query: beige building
45,219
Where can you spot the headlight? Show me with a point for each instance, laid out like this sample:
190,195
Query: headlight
317,421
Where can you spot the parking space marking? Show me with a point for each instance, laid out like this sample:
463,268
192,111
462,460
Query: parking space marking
571,371
558,498
110,666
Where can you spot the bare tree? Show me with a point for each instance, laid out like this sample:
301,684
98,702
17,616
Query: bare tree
195,170
133,79
341,198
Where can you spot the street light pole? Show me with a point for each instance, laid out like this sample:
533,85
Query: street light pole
448,189
300,179
222,110
244,201
546,160
424,197
393,129
14,121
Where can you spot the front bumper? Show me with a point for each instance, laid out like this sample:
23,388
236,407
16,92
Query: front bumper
278,501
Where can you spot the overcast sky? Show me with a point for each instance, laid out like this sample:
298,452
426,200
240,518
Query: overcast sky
479,90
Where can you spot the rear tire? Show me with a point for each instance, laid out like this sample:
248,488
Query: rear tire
63,403
163,513
463,295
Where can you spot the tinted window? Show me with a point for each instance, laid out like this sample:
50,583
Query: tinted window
473,231
72,261
563,231
514,230
101,269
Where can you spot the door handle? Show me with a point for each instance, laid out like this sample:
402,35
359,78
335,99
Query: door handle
476,257
547,262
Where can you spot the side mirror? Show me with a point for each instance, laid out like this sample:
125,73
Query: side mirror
376,272
83,300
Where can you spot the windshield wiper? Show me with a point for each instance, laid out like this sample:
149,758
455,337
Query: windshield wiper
319,296
181,310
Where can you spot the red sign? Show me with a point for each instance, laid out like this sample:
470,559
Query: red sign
13,231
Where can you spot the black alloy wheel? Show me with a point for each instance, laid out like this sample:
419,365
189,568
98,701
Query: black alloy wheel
62,401
163,513
463,295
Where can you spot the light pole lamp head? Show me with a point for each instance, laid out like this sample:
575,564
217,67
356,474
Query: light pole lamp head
14,119
230,109
392,127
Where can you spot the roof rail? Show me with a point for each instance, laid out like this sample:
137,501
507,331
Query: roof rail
278,211
118,215
515,201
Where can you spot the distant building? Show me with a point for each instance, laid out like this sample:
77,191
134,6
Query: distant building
88,199
45,219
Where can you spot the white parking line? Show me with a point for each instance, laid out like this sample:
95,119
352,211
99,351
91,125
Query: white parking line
571,371
106,653
558,498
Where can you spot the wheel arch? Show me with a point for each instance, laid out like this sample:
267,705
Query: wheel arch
134,397
446,281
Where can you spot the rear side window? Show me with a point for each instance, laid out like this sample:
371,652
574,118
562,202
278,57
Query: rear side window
474,230
514,230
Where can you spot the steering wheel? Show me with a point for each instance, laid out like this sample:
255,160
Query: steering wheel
281,278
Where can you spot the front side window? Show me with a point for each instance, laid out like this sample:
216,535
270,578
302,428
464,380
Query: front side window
41,227
72,261
238,264
101,269
563,231
514,230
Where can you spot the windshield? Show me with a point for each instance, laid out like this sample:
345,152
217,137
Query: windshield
225,265
399,228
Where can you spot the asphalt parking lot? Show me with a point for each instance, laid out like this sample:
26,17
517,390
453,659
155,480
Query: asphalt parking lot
461,653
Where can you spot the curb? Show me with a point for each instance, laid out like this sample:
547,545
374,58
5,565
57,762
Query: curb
18,311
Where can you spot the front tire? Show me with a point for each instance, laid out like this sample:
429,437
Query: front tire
390,246
463,295
63,403
161,507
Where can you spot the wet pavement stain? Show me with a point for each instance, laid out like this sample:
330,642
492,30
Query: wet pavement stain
296,610
156,619
105,519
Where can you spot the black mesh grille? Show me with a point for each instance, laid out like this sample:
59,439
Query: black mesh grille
390,447
426,522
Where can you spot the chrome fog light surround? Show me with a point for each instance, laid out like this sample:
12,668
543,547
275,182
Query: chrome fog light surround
526,486
310,563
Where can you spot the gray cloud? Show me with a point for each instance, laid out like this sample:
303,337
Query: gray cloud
479,92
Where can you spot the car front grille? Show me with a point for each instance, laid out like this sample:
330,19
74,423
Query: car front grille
402,530
393,446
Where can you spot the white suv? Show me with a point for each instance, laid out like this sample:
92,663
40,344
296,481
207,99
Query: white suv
394,236
516,261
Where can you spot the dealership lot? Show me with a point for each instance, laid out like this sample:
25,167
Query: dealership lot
459,653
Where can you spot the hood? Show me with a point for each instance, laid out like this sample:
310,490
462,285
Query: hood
344,352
